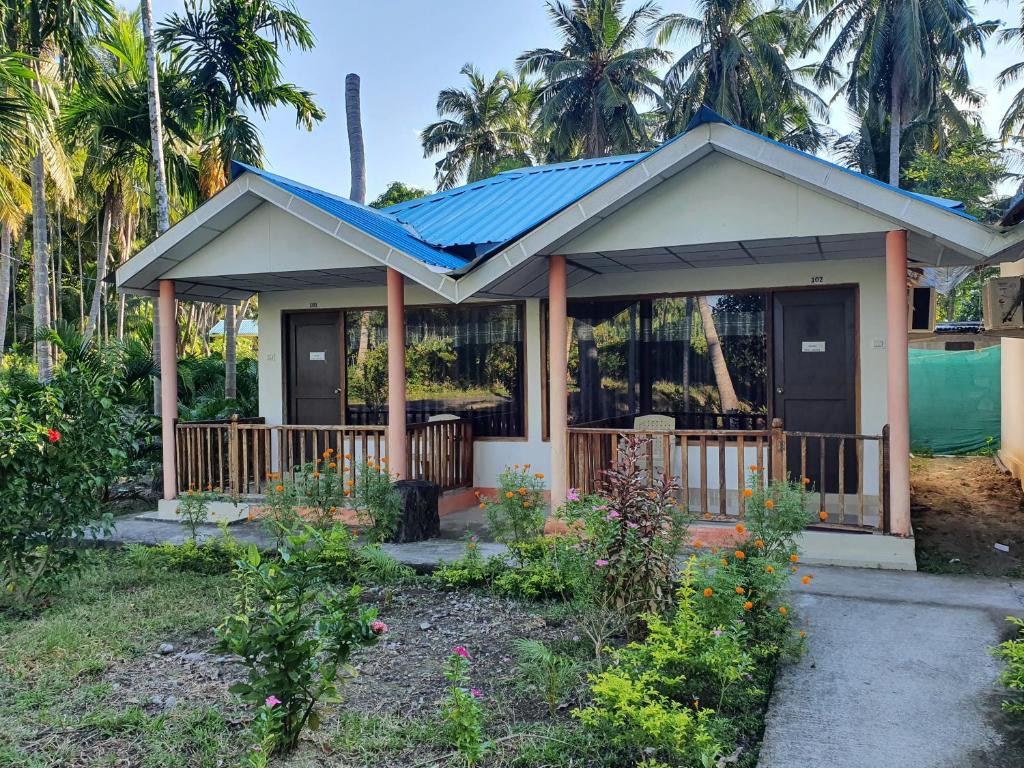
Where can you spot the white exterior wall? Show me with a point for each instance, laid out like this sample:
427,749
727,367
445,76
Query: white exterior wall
491,456
1011,450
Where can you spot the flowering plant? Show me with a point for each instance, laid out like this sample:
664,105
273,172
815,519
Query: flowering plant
516,513
373,493
462,712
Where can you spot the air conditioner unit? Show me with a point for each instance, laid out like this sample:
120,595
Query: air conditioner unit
1002,306
921,310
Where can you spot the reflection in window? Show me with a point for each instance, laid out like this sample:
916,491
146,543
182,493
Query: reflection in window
465,361
702,360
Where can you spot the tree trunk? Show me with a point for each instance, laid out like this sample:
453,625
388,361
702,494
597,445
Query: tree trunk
355,139
92,325
5,283
726,391
895,128
40,268
364,336
156,134
230,354
687,351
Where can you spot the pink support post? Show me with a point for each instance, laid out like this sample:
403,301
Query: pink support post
168,382
396,375
898,390
559,367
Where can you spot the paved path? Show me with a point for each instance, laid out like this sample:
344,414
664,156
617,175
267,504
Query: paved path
897,673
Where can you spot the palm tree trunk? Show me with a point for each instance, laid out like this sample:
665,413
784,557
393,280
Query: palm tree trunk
356,155
230,354
5,282
40,268
92,324
156,134
726,391
895,126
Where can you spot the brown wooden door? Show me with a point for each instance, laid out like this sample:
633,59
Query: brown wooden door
315,368
814,378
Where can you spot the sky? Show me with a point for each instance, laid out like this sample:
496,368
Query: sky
406,51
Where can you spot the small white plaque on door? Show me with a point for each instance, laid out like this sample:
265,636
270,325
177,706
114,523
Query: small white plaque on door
318,356
812,346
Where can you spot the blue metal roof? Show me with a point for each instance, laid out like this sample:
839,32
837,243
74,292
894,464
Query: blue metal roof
385,228
503,207
246,328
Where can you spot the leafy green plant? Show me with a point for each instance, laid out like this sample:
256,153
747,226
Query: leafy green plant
279,515
461,711
548,567
318,488
516,513
293,632
472,569
1012,652
550,674
373,493
194,509
377,566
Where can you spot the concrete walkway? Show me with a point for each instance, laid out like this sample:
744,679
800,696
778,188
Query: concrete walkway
897,673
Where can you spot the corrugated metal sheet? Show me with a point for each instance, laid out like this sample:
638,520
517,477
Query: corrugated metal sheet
503,207
385,228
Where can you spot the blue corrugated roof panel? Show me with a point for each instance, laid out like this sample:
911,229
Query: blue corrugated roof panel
503,207
378,224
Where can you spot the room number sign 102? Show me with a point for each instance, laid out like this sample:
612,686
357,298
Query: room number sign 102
817,279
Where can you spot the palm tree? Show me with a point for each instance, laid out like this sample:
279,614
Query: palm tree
354,124
594,82
739,65
231,50
1013,119
56,34
482,128
902,56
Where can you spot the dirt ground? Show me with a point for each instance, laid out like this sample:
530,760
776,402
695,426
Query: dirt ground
961,508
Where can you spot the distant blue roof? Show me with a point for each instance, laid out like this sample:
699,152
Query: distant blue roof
245,328
479,218
385,228
503,207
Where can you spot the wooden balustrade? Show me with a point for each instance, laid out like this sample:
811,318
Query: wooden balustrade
713,468
242,457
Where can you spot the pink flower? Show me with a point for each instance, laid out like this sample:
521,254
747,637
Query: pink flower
476,693
378,627
602,563
613,515
573,495
632,526
272,701
459,650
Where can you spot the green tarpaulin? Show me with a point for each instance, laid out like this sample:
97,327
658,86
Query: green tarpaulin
954,400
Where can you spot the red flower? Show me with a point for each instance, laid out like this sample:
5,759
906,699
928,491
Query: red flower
53,435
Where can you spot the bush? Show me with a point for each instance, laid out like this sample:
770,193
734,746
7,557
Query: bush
471,570
293,634
62,445
194,509
545,672
517,512
318,488
1012,652
549,567
373,493
461,711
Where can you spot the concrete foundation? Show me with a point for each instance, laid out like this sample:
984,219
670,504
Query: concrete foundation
219,511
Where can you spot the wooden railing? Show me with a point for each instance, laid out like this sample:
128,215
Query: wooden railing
713,468
242,457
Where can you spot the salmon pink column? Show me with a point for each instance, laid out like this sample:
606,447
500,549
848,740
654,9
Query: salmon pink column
558,365
898,390
396,374
168,382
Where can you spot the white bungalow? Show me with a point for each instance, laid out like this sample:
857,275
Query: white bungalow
742,302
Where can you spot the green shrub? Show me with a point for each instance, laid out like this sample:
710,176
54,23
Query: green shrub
279,514
545,672
293,634
62,444
548,567
516,513
461,711
215,555
194,509
373,493
318,487
471,570
1012,652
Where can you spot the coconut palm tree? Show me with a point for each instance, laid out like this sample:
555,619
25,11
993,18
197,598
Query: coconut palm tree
1013,119
594,82
901,57
482,128
739,65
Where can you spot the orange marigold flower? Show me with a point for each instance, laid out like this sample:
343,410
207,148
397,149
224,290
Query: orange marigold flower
509,494
823,515
803,634
740,554
326,454
279,488
316,475
714,550
770,569
383,460
332,465
332,510
794,558
759,543
752,467
348,457
741,528
747,493
697,544
539,475
769,504
747,605
806,579
708,591
793,569
526,505
725,562
350,482
482,505
740,590
783,610
522,491
348,492
806,481
527,466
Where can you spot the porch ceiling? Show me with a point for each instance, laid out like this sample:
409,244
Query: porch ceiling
530,278
233,287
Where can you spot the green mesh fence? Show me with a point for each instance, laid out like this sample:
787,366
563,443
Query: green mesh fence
954,400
